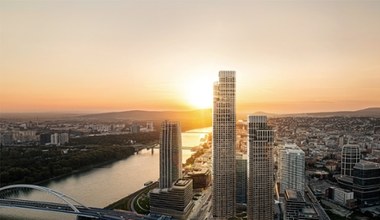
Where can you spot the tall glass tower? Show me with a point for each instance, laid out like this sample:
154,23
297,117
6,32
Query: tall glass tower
350,157
170,154
260,201
223,148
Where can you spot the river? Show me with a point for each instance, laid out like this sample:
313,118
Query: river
104,185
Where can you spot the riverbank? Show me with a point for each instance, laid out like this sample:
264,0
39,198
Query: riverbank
102,186
139,200
86,168
36,165
127,203
79,171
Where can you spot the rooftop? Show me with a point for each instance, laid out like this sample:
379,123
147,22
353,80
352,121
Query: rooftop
292,148
366,165
202,171
179,184
294,195
182,182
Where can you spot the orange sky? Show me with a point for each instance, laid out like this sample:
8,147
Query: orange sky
289,56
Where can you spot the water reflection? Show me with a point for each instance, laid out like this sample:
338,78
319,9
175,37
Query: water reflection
103,185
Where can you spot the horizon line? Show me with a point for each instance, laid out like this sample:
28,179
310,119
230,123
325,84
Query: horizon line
79,112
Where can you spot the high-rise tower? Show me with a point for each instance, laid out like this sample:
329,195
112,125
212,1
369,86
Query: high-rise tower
223,146
292,168
174,195
260,202
170,153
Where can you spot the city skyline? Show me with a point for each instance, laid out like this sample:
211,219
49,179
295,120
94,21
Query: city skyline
300,56
254,169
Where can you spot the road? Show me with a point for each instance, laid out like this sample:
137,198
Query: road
317,206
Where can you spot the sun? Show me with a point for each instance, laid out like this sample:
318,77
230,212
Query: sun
199,94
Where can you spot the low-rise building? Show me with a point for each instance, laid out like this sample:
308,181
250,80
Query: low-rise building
339,195
296,207
201,178
175,201
366,183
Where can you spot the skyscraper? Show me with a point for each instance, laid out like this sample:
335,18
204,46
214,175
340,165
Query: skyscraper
174,197
260,205
170,154
292,168
223,149
350,156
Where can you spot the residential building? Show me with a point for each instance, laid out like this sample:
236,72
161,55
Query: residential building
59,139
63,138
54,138
170,154
174,195
292,168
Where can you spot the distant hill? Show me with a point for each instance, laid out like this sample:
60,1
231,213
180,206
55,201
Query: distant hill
188,119
38,115
368,112
204,116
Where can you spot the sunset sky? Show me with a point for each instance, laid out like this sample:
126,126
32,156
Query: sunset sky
289,56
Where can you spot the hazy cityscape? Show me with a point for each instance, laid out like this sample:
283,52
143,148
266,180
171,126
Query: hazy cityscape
189,110
298,167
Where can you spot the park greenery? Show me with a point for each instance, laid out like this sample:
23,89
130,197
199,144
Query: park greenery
33,164
141,204
37,164
194,156
118,139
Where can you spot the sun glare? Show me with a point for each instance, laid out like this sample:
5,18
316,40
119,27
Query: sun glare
199,94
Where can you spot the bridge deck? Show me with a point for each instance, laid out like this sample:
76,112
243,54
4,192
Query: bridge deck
97,213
